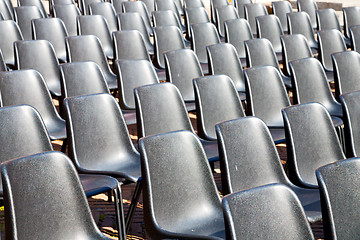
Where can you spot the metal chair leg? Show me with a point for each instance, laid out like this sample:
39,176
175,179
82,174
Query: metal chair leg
133,204
119,213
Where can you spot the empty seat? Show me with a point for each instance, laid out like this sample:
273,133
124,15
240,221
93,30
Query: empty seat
351,18
107,10
215,4
281,9
23,17
252,11
299,23
10,33
239,4
195,15
223,14
6,11
139,7
67,13
310,7
355,38
161,5
84,6
37,3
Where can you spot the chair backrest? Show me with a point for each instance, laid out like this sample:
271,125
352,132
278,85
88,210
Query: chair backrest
266,212
269,27
52,30
107,10
299,23
223,14
84,5
55,183
346,72
139,7
236,32
338,188
118,5
195,15
10,32
165,18
330,41
67,13
58,2
253,10
193,4
351,18
310,7
98,115
129,44
355,38
23,16
215,4
37,3
311,142
216,101
166,38
133,74
82,78
280,9
160,109
150,6
202,35
327,19
239,4
86,27
6,11
161,5
189,173
223,59
39,55
259,52
182,66
294,47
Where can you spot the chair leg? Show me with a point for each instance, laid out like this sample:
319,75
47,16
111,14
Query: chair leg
133,204
64,145
119,213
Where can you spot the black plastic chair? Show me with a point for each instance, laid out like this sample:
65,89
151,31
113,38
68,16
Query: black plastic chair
68,13
195,15
281,9
161,109
351,18
311,142
239,4
310,7
39,55
338,187
215,4
23,17
32,183
54,31
252,11
355,38
88,48
266,212
107,10
139,7
223,14
112,152
10,32
216,101
177,192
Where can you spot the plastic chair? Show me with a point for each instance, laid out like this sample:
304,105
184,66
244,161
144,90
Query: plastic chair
45,172
78,47
166,38
299,23
269,27
161,5
68,13
266,212
193,16
58,2
170,114
223,59
239,4
236,32
107,10
311,142
281,9
112,152
338,187
216,101
202,35
118,5
84,6
54,31
249,158
351,18
346,72
23,17
193,4
179,6
311,85
327,19
294,47
223,14
182,66
10,32
134,21
355,38
140,7
215,4
86,27
180,216
39,55
37,3
165,18
252,11
310,7
150,6
259,52
6,11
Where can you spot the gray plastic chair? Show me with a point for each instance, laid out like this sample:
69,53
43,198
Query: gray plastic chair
165,18
182,66
161,5
39,55
216,101
249,158
84,6
6,11
294,47
10,32
327,19
223,14
37,3
338,187
32,183
193,4
150,6
118,5
86,27
54,31
252,11
58,2
215,4
281,9
299,23
68,13
259,52
346,72
195,15
351,18
112,152
139,7
23,17
266,212
78,47
310,7
179,214
311,142
239,4
170,114
355,38
107,10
